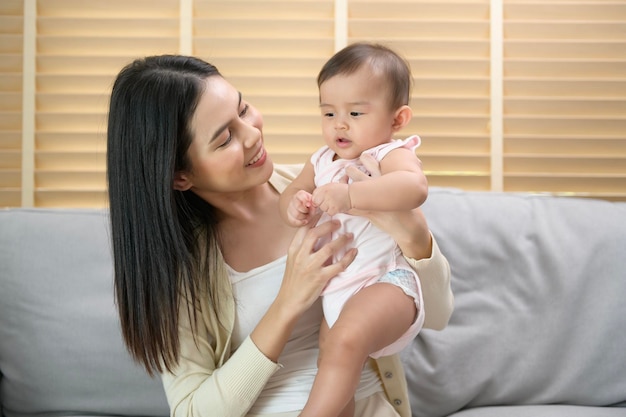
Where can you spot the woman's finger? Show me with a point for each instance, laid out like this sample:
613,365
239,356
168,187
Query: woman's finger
341,264
371,164
302,231
333,246
372,169
307,237
309,268
354,174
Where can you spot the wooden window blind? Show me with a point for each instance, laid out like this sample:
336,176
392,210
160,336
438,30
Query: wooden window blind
80,47
11,44
565,97
271,51
447,44
513,95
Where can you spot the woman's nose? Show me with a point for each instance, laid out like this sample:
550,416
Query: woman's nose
251,135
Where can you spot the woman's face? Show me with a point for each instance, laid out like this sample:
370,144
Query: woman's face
227,153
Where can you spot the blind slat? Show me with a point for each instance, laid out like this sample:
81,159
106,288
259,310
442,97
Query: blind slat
563,90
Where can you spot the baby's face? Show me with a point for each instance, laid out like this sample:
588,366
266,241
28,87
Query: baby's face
355,112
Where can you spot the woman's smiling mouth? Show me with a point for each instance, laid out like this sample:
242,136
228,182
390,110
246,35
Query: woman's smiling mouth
258,159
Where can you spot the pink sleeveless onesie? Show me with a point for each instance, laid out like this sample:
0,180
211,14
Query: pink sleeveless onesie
378,252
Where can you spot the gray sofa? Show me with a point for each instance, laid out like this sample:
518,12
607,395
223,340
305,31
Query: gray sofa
539,327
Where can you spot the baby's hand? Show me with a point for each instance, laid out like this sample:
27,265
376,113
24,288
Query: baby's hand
300,209
333,198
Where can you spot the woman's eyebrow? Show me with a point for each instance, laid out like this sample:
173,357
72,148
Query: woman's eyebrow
219,130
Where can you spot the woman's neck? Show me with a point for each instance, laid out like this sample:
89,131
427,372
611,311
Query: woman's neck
252,232
247,206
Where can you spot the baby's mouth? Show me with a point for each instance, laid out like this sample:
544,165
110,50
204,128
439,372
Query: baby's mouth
343,142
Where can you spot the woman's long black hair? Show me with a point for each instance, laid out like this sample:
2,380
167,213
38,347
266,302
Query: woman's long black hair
155,229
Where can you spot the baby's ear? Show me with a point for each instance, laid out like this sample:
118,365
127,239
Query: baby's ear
402,117
181,182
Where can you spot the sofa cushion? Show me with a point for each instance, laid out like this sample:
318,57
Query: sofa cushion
539,317
61,351
542,411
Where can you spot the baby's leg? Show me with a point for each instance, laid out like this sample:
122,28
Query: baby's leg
348,411
370,320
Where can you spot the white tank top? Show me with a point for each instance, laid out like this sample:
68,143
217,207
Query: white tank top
288,389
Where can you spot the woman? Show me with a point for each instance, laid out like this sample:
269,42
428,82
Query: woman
215,292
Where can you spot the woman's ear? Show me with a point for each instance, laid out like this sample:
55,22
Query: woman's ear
402,118
181,182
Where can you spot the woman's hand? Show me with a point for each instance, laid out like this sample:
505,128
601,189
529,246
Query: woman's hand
309,269
408,228
307,272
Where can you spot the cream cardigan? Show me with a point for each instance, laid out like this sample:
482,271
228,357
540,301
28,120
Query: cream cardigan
210,382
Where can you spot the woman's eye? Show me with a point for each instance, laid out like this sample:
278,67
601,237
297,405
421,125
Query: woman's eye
227,141
244,111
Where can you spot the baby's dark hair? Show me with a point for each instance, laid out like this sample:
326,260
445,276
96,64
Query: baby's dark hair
383,61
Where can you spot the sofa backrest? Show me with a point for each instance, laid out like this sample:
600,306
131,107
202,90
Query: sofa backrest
540,311
61,350
539,316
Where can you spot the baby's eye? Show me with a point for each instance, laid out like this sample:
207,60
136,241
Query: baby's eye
355,113
329,114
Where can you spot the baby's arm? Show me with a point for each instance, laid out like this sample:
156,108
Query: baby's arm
296,203
402,185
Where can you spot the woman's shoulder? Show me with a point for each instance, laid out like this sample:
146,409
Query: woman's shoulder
284,174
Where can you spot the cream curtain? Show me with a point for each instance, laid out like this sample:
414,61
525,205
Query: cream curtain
511,95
